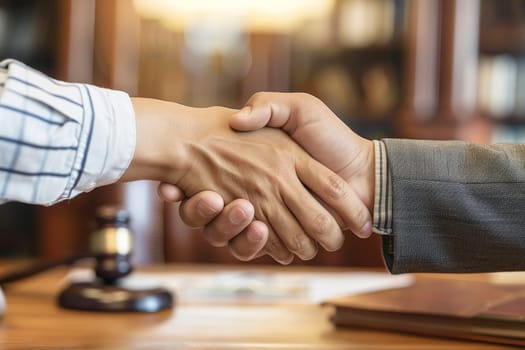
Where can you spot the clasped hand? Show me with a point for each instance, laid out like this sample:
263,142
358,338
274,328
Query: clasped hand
281,199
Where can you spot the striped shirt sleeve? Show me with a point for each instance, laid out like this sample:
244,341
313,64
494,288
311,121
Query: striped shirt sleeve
59,139
3,77
382,217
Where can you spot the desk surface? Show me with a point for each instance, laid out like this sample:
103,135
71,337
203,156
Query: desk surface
33,321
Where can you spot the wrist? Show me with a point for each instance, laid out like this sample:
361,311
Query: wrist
160,151
364,179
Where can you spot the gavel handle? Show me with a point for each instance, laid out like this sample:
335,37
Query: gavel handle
40,267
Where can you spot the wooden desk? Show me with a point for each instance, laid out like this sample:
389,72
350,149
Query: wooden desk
33,321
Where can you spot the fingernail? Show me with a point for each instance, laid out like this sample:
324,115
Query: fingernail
365,231
237,216
255,236
169,193
205,210
244,112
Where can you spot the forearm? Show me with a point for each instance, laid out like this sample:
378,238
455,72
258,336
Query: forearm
457,207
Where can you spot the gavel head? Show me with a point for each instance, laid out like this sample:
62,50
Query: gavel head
112,244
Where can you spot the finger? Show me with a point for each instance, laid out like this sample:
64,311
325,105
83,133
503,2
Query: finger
315,220
249,243
337,194
290,233
276,249
235,217
169,192
201,208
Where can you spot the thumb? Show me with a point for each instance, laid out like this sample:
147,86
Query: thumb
248,119
257,115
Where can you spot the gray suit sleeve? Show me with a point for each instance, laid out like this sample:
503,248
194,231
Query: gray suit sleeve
457,207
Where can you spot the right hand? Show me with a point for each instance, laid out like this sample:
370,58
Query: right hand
195,149
325,137
314,126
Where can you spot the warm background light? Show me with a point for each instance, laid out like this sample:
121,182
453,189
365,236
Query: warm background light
253,15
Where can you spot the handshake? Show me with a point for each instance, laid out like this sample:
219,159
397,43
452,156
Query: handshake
280,177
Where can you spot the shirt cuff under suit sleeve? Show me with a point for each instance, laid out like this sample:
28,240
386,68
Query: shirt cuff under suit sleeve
59,139
383,212
382,219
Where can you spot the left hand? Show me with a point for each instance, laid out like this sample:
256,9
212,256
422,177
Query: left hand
195,149
232,224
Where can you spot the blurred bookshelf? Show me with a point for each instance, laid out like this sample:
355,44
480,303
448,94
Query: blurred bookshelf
451,69
34,24
359,70
501,69
476,87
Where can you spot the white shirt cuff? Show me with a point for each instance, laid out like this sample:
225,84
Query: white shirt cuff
382,219
112,144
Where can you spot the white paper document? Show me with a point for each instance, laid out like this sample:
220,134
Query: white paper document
260,286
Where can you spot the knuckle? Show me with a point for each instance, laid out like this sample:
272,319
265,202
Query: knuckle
297,244
335,187
302,246
257,98
276,250
305,95
273,246
322,225
311,99
328,232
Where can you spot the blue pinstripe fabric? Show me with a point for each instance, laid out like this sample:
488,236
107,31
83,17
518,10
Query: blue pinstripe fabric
44,90
47,130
